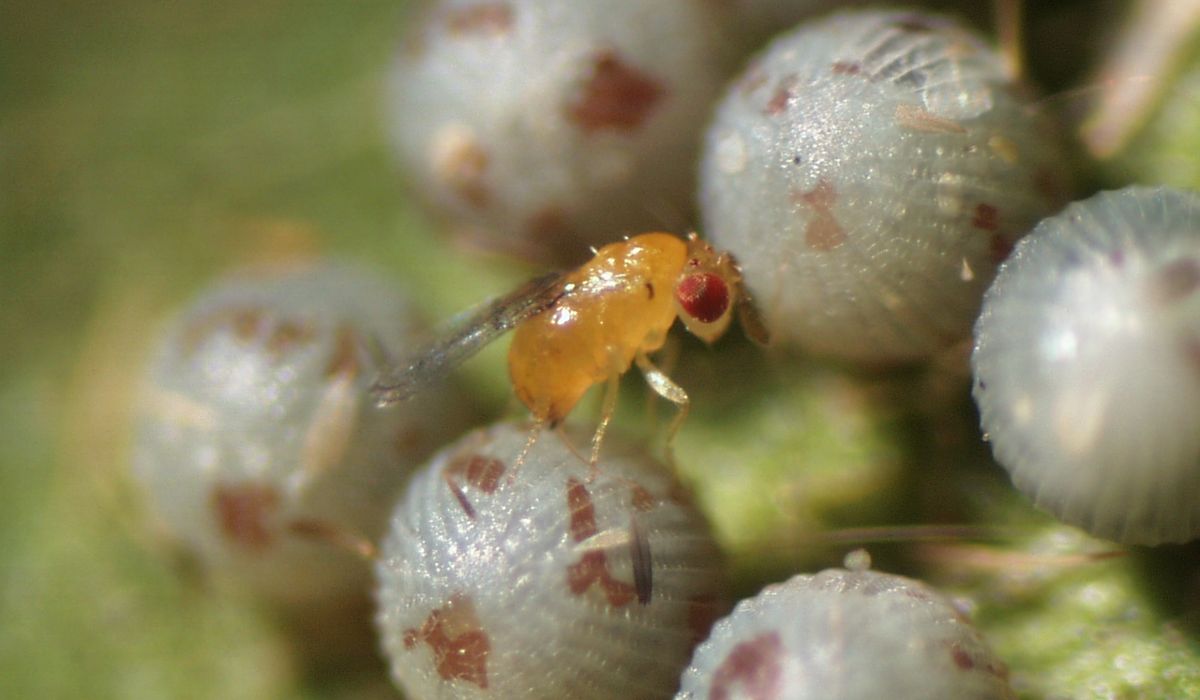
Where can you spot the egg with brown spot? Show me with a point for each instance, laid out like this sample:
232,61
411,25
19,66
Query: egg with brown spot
256,440
552,125
514,573
861,164
845,635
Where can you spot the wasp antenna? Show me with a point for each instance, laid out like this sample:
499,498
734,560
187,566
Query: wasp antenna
752,321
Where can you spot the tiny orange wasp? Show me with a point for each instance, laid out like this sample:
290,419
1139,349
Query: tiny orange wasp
591,324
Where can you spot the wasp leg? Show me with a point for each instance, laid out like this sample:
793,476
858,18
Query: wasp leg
669,390
534,431
607,409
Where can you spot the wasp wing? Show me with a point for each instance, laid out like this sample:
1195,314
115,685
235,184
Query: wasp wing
467,336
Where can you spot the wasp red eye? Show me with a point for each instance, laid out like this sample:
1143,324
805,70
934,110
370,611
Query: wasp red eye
703,295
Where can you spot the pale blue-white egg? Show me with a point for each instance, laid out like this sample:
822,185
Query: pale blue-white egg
869,170
846,635
257,442
551,125
1087,365
516,571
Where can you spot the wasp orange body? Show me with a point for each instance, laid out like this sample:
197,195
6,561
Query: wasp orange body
591,324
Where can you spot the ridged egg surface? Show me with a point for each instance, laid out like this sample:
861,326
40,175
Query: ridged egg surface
1087,365
552,125
845,635
541,579
869,170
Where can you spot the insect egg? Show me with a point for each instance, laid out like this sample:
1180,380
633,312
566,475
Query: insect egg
1087,365
256,428
868,171
544,579
562,124
845,635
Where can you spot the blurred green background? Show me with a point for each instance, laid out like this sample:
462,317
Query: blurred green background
146,147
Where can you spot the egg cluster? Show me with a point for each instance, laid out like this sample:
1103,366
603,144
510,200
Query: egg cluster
861,181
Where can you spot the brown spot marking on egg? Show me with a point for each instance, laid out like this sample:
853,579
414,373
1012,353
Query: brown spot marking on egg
461,163
641,498
287,335
243,511
965,661
847,68
702,612
961,658
914,118
751,670
987,217
344,360
1175,281
581,510
477,470
784,92
592,567
615,97
494,18
246,323
459,643
823,232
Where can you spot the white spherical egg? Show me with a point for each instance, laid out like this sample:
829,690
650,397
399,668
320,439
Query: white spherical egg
542,579
868,171
1087,365
845,635
257,441
552,125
